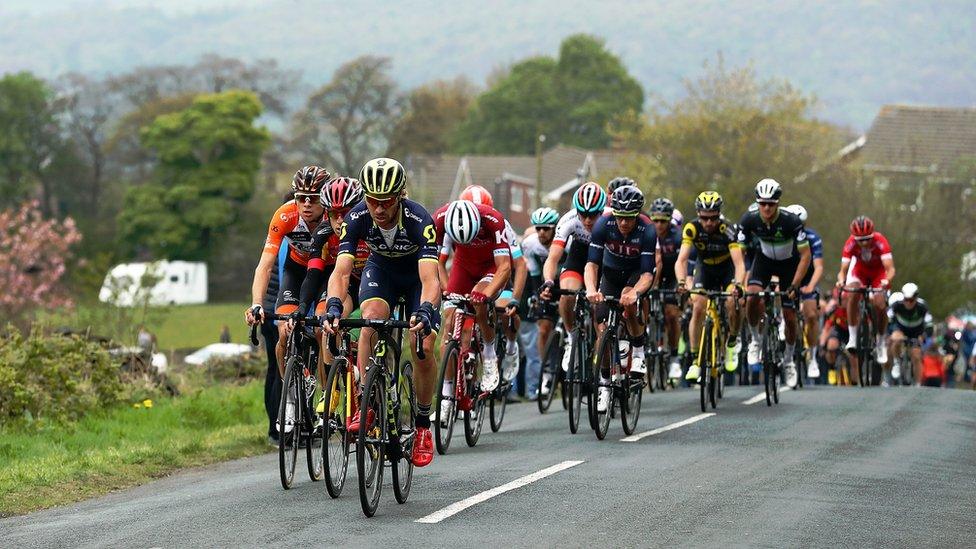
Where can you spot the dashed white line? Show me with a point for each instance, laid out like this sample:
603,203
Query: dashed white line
456,508
659,430
762,396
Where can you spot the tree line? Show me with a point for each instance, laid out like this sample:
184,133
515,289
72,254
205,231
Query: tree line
185,162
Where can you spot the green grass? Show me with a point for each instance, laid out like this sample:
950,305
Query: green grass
193,326
127,446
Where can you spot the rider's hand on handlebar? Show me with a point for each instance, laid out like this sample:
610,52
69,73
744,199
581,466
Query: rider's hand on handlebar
511,309
628,298
254,315
546,291
293,319
594,297
478,297
885,283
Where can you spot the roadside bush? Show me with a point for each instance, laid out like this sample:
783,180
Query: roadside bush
236,369
54,378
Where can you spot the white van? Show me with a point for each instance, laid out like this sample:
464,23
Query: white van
177,283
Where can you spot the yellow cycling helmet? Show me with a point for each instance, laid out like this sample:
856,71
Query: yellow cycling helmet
382,177
708,201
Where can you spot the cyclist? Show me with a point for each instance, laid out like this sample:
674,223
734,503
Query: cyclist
783,252
621,264
402,264
912,323
666,255
866,261
809,294
833,338
338,197
510,296
482,266
572,232
297,220
719,266
535,250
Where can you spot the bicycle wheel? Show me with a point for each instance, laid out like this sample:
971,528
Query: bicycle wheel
552,358
499,401
444,426
864,354
776,370
313,446
574,384
371,440
474,419
289,436
630,404
605,355
335,439
705,365
401,445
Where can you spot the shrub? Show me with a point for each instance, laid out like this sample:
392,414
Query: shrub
54,378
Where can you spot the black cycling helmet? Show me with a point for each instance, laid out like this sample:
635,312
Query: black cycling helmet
626,201
618,182
662,208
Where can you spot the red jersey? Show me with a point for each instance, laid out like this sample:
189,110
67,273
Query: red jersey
932,366
488,243
867,259
331,251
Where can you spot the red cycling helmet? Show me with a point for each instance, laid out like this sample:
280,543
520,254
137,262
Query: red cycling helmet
862,227
341,193
478,195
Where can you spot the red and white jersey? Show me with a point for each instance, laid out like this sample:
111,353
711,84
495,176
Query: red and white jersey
491,240
867,258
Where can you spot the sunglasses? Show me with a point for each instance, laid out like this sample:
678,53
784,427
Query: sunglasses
708,218
381,202
306,197
339,214
661,219
543,228
593,215
767,204
864,238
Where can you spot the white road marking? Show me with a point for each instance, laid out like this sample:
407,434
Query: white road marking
762,396
456,508
659,430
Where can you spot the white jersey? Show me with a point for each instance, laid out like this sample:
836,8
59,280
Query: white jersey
570,228
535,254
513,245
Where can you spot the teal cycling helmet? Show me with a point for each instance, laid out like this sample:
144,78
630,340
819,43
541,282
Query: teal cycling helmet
590,199
545,217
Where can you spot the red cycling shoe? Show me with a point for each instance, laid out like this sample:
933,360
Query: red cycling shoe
423,448
352,422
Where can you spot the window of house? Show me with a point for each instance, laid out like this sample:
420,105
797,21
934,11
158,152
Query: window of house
517,197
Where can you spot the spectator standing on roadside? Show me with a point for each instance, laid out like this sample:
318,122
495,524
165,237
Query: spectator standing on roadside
933,367
145,339
950,350
968,344
269,332
225,334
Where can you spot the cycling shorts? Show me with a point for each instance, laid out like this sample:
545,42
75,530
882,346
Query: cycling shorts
576,257
320,308
714,277
911,334
612,283
382,283
764,269
462,279
292,276
869,278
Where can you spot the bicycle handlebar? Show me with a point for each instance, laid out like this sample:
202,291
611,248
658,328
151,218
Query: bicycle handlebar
381,324
307,321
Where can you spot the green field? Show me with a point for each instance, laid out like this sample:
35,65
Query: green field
193,326
127,446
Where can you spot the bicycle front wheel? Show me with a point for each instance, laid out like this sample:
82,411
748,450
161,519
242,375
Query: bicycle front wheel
705,366
335,439
401,443
574,385
371,440
289,424
552,359
445,414
474,419
605,358
499,401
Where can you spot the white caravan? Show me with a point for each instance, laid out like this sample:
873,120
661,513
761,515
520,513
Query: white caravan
176,283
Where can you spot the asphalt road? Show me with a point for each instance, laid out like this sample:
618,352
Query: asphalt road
828,467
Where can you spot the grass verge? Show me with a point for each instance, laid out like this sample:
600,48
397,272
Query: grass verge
128,446
193,326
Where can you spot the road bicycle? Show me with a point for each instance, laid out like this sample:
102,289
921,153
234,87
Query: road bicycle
579,378
712,348
655,346
387,412
298,422
462,363
864,349
770,346
612,370
498,398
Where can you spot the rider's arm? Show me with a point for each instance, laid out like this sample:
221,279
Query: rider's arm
339,281
739,263
842,274
521,274
681,265
590,273
889,267
801,269
550,269
818,269
430,284
503,271
262,274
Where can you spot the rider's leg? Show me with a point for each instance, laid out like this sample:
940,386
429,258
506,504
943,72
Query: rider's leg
372,308
853,313
698,303
916,353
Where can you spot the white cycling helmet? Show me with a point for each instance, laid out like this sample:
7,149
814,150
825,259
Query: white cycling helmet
910,290
799,210
462,221
895,297
754,207
768,190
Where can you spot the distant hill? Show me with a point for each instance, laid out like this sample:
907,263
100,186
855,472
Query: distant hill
855,55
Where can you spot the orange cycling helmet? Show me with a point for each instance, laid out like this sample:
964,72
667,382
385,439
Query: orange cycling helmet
478,195
862,227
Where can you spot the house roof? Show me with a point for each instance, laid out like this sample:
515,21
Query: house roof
438,178
910,138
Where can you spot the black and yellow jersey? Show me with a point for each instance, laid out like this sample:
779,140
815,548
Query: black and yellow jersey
712,249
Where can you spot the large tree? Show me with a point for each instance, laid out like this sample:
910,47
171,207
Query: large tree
208,158
431,115
350,119
571,99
